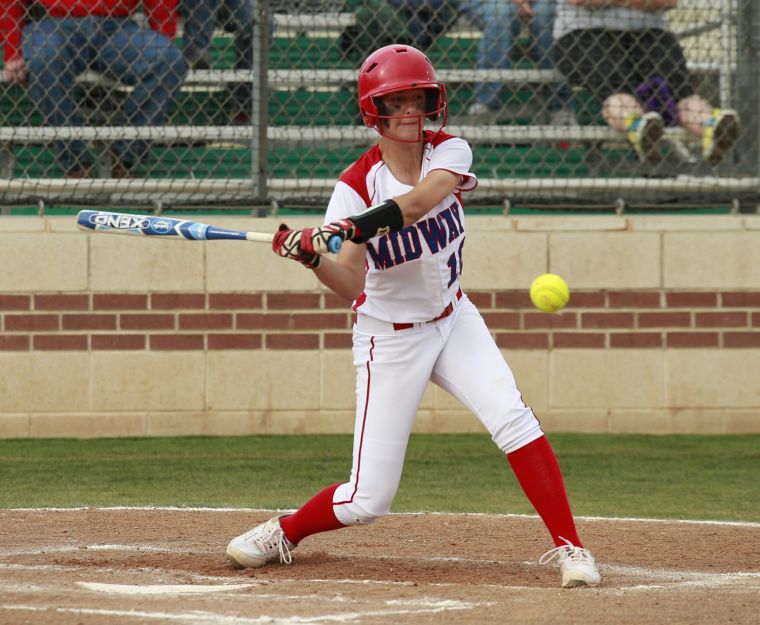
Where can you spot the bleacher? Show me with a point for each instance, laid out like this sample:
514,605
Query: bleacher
314,131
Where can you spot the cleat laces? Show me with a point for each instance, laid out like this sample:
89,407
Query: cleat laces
268,540
569,554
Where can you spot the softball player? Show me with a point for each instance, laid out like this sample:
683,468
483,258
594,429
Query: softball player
399,210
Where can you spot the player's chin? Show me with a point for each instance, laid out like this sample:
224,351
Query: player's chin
405,133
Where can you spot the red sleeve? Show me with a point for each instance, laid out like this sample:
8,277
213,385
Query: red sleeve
162,16
11,24
355,176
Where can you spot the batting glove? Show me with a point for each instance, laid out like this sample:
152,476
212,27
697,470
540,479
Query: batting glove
375,221
287,243
315,240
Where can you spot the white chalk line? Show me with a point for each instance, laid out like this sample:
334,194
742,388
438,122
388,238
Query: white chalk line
663,578
161,589
83,548
675,580
23,587
198,589
60,568
489,515
12,566
213,618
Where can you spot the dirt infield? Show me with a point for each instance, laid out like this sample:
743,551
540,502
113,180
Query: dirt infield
132,566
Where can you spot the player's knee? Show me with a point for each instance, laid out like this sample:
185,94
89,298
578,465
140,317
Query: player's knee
362,516
362,511
517,431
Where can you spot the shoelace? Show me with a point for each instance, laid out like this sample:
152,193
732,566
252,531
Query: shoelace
576,555
275,539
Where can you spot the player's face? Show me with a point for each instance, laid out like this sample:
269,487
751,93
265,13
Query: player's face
405,114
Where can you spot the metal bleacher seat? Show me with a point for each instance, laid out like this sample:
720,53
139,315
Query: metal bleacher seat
328,23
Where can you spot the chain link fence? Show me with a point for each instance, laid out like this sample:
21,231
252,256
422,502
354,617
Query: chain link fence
253,104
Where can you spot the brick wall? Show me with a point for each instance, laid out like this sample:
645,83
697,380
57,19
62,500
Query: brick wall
308,321
126,336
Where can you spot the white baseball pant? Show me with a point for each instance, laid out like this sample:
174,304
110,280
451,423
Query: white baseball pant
393,368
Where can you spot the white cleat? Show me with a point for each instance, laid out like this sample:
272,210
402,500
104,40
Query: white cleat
264,543
576,565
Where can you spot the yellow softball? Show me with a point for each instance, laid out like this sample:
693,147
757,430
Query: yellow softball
549,292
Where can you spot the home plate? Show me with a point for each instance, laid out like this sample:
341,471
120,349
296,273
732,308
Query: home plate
161,589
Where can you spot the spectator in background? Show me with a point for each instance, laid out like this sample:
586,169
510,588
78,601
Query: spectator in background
426,19
623,52
385,22
501,22
71,37
201,18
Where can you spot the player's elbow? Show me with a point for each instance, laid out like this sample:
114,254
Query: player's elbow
415,207
427,195
351,294
350,288
357,289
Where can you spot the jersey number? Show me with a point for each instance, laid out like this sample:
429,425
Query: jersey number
455,264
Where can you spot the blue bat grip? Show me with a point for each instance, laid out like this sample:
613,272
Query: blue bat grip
334,243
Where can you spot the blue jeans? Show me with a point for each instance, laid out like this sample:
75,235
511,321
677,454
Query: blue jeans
56,50
427,19
501,25
200,20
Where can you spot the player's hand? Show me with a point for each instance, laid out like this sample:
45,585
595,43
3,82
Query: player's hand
287,243
316,240
15,70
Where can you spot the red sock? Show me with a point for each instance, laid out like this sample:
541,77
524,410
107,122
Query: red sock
315,516
538,472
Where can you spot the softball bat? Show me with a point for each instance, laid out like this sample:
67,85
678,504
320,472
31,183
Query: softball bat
152,226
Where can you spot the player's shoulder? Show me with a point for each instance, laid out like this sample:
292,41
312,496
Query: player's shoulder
446,145
442,138
355,175
362,165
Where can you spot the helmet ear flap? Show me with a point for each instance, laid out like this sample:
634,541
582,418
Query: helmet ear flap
380,107
437,103
432,103
369,112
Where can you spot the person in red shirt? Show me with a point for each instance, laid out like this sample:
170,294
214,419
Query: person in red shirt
48,51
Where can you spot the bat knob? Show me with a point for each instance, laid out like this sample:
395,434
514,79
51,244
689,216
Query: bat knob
334,243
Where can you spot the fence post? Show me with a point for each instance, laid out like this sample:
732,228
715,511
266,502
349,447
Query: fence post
747,76
260,105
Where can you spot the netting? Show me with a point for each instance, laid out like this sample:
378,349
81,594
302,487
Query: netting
254,103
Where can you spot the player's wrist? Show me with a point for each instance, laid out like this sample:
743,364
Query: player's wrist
380,219
311,261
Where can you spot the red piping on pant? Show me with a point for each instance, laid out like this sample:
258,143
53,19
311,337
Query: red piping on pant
364,423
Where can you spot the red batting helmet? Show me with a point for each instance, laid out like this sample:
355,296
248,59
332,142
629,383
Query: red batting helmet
398,68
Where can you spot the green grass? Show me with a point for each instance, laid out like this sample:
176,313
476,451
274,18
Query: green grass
698,477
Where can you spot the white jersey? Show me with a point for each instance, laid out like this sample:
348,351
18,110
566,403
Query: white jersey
412,275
